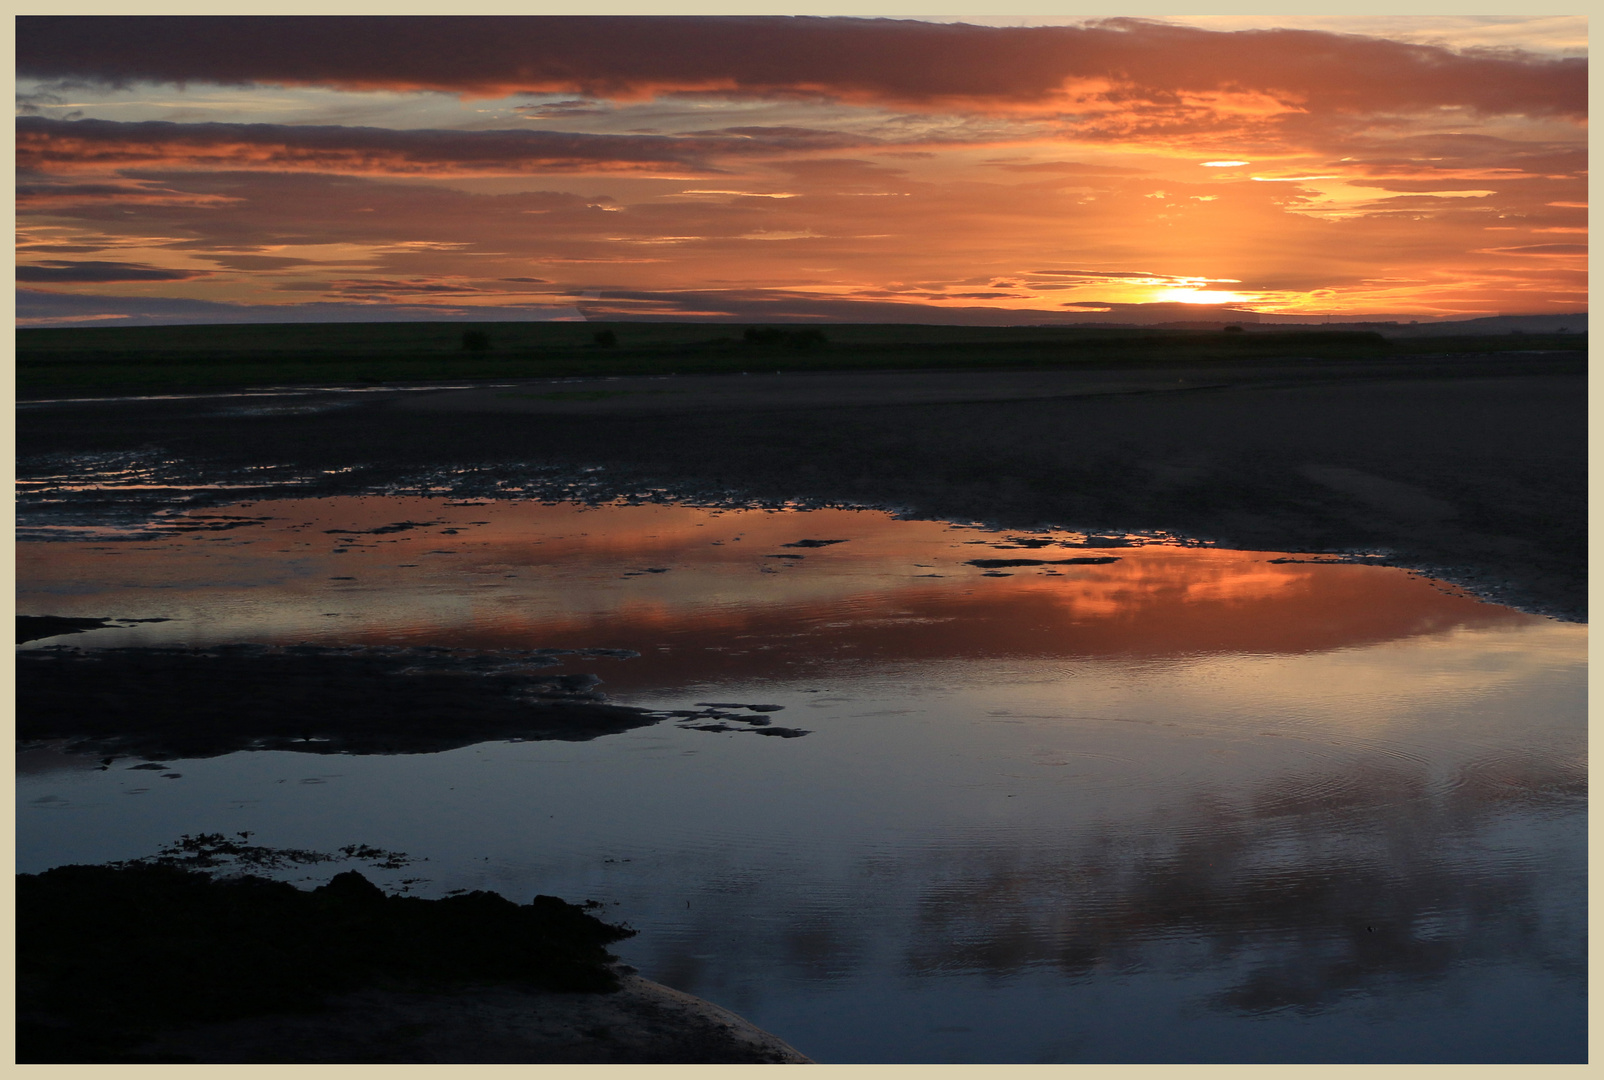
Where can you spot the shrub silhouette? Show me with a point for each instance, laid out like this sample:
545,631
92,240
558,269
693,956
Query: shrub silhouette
475,340
1233,329
605,338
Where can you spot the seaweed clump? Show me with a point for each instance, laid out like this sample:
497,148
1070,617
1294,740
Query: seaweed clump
108,956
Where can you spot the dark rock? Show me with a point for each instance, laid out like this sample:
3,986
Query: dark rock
193,703
35,627
170,948
352,888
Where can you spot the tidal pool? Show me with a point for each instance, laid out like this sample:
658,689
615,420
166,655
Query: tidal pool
1061,797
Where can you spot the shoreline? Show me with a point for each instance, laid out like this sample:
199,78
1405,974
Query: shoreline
198,958
642,1023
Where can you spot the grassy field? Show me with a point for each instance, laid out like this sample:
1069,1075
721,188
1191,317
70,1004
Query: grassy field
165,358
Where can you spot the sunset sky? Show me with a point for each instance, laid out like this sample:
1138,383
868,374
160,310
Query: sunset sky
966,170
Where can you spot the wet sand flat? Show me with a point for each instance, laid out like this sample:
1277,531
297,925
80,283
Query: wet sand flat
1472,469
767,391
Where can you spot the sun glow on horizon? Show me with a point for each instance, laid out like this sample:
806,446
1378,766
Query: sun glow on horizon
1201,296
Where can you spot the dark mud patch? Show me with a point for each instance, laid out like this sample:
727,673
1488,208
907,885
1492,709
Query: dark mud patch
217,853
39,627
215,523
993,564
735,705
394,527
110,957
755,721
1325,560
165,703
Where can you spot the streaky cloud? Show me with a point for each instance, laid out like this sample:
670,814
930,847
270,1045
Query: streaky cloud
47,145
41,307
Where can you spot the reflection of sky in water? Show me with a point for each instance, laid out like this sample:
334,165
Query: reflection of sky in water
1190,805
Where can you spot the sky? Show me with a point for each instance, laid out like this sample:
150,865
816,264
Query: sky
953,169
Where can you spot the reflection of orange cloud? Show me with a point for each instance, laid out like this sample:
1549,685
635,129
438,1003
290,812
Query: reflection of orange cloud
649,577
1130,610
1257,583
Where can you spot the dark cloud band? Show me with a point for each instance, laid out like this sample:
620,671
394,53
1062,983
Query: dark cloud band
907,63
83,271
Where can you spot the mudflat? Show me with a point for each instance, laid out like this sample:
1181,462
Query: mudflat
1470,468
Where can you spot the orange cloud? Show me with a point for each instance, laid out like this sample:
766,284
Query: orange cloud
1290,171
42,195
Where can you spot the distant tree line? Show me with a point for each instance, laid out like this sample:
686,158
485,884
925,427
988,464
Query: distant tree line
767,337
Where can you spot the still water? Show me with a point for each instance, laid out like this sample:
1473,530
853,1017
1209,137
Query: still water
1101,799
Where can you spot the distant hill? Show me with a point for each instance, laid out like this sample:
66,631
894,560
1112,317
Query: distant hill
1574,322
1567,323
1206,317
